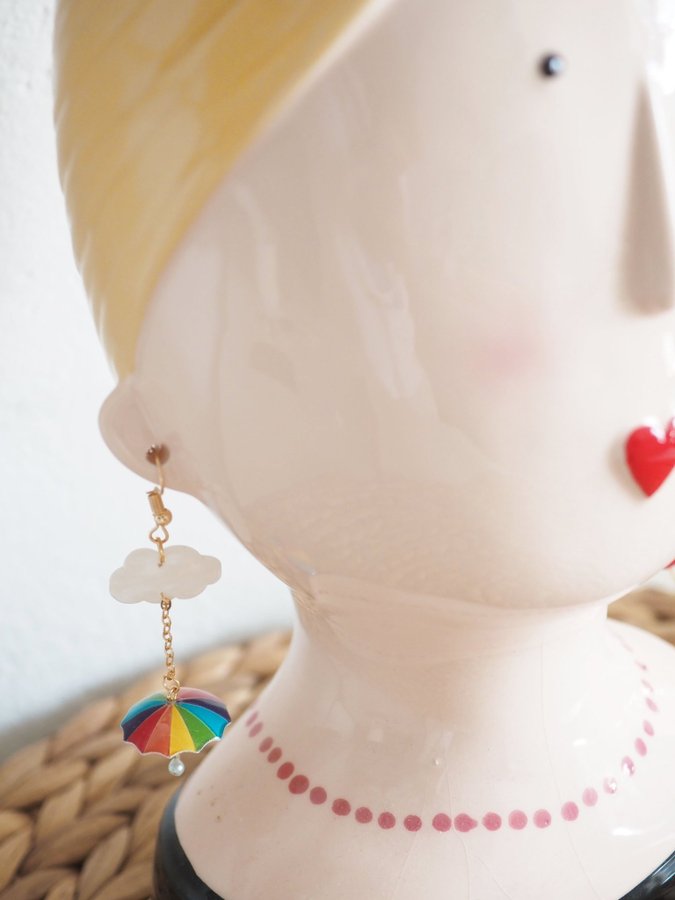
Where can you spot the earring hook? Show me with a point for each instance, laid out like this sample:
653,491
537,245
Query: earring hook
158,454
162,516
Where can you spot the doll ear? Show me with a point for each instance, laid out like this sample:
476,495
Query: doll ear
127,430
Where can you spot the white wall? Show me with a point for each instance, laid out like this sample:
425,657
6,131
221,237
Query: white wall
69,512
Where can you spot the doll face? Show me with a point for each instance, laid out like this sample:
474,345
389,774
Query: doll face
408,336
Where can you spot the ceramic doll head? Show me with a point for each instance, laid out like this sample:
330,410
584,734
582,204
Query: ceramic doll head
394,294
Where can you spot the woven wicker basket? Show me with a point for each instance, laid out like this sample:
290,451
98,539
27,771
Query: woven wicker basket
79,811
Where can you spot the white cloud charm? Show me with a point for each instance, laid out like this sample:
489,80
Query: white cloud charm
185,573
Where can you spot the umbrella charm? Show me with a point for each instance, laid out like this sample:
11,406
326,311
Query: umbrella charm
182,719
169,727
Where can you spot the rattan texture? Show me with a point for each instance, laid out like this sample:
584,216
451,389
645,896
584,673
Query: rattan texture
79,810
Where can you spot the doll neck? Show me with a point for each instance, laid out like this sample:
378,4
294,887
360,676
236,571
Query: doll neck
433,708
432,653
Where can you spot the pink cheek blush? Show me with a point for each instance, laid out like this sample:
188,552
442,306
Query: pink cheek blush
506,356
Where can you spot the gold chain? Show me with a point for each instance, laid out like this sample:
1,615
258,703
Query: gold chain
159,536
171,683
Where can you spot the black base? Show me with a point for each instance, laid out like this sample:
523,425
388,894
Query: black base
660,885
175,879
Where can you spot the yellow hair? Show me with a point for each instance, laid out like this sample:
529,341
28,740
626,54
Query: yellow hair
154,101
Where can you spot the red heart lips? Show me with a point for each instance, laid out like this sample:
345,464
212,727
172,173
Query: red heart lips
650,455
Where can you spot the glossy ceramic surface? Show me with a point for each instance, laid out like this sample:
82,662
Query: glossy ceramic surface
400,352
430,335
175,877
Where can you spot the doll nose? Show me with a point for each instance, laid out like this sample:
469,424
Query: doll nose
648,263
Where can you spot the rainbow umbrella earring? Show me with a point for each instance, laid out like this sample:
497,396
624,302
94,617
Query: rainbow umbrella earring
180,719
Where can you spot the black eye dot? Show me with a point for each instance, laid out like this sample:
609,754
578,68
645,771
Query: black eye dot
552,64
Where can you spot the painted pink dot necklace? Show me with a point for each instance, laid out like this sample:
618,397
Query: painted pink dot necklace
517,820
